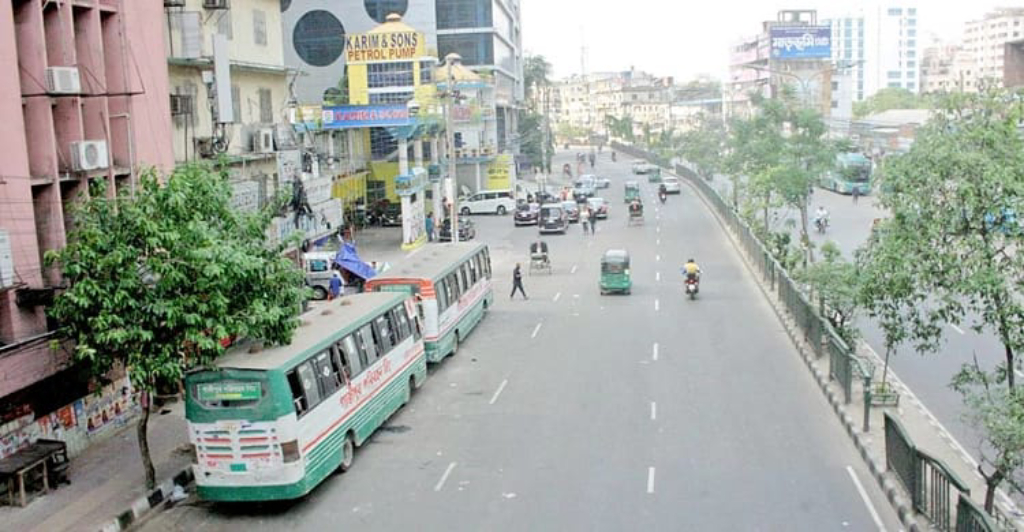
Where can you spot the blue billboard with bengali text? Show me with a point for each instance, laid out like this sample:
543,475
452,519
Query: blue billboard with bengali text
801,42
356,116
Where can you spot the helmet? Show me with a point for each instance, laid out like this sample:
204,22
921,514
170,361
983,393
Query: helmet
691,260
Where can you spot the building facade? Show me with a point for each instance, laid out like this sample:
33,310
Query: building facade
947,68
985,41
84,100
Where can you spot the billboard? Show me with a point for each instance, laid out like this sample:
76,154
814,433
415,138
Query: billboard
355,116
384,46
802,42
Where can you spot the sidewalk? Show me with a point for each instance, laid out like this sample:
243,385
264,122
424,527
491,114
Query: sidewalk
107,479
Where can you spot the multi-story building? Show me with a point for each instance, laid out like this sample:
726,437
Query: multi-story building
985,40
229,101
947,68
849,45
84,100
892,48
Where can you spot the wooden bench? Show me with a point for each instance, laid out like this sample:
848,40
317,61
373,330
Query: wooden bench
38,456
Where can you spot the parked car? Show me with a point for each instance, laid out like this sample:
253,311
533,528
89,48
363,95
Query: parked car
572,210
599,182
641,167
583,191
599,207
553,219
467,231
526,214
488,202
672,185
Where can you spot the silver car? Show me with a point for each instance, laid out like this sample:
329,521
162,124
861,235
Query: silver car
671,184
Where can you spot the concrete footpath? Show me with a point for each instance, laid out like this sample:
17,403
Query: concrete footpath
107,490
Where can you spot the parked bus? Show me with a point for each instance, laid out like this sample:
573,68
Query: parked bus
452,284
273,423
852,172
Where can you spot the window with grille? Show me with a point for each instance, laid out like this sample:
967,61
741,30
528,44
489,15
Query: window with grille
382,143
390,75
259,27
377,98
426,72
266,107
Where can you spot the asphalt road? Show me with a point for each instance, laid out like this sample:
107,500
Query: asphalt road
576,411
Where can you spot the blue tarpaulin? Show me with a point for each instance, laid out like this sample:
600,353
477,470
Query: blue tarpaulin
348,259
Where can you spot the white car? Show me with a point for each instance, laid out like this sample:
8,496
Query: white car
672,185
488,202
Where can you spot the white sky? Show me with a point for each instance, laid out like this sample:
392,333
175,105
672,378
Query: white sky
684,38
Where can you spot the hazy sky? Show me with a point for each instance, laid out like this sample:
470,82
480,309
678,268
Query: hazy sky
684,38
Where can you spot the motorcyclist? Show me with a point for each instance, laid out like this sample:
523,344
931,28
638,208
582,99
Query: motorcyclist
691,270
613,156
820,217
662,192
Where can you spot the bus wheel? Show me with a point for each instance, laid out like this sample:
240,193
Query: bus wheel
348,450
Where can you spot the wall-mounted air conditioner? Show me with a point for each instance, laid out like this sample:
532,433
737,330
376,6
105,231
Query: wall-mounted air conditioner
89,155
181,104
174,3
263,141
63,80
216,4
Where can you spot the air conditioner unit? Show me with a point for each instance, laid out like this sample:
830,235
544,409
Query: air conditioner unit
216,4
174,3
181,104
89,155
263,141
63,80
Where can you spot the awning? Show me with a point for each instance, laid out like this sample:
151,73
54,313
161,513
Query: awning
349,260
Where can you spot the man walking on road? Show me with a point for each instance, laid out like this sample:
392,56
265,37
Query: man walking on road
856,194
585,219
517,282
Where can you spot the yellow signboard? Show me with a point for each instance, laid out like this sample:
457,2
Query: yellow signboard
499,173
392,46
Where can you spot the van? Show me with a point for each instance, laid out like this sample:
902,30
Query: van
317,267
488,202
552,219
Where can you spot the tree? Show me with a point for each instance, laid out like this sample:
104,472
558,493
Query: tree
157,280
704,143
890,98
620,127
951,247
835,282
535,141
536,71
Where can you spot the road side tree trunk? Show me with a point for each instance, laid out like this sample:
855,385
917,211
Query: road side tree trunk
143,435
991,484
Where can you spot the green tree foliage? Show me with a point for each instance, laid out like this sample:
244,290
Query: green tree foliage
536,71
834,282
890,98
703,145
620,127
950,252
156,280
535,139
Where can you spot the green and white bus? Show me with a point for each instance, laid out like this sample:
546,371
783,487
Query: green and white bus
452,284
273,423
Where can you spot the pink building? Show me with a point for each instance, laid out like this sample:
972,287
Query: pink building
83,98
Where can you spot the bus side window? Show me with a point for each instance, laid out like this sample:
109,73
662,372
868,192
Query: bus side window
453,285
402,323
305,389
369,344
464,276
327,372
350,359
487,262
385,333
442,296
472,269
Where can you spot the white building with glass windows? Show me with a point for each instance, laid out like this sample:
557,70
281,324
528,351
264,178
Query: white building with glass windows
882,43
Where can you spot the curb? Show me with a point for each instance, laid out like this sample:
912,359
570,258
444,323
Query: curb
144,506
892,492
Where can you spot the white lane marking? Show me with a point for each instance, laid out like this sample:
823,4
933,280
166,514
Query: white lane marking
573,270
536,330
654,411
657,242
444,477
415,251
867,501
650,480
955,328
498,392
657,257
657,304
558,295
655,354
657,229
657,276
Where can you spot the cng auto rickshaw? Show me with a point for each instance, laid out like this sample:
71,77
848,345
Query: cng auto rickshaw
615,272
632,191
654,176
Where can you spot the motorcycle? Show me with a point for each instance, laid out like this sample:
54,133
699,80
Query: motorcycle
613,157
821,224
692,287
662,196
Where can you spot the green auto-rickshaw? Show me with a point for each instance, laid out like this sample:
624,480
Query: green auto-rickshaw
615,272
632,191
654,175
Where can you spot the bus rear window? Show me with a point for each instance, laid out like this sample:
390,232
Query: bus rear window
228,393
399,288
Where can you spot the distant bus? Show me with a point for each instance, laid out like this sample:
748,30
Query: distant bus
852,172
274,423
452,284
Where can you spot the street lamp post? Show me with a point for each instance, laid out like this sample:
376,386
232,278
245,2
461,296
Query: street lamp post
453,184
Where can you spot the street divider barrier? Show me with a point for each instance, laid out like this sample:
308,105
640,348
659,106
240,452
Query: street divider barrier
934,489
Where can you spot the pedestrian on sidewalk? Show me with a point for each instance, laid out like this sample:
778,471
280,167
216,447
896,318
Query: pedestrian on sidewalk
856,194
585,219
335,285
430,227
517,282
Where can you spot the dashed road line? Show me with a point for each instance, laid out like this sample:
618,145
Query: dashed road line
955,328
536,330
573,270
444,477
657,305
657,242
654,355
657,276
650,480
654,411
657,258
558,295
867,501
494,397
